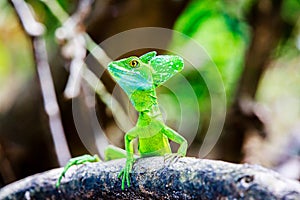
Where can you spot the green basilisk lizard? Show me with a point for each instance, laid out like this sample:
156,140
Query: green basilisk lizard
139,77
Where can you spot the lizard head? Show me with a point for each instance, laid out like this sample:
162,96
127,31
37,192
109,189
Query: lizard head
132,74
146,72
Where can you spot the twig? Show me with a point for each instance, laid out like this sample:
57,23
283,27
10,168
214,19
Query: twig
30,25
6,169
120,115
50,102
97,51
93,48
153,178
73,35
36,31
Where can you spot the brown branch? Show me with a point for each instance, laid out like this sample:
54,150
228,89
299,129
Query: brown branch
268,29
267,26
36,31
74,46
6,169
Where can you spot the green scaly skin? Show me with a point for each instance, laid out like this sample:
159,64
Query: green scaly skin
139,77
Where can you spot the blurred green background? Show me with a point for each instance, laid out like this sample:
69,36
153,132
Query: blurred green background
254,44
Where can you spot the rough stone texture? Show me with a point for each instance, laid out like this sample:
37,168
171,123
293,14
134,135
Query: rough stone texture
155,178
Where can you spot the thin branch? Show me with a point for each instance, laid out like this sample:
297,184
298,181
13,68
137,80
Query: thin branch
31,26
50,101
73,35
6,169
97,51
153,178
93,48
120,116
36,31
57,10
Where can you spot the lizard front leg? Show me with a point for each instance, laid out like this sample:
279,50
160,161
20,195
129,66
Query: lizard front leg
125,173
176,137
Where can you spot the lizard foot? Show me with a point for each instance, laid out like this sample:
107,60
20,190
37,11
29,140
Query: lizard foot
125,173
77,161
171,158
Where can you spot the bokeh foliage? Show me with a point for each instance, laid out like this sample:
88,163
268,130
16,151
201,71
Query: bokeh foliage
224,35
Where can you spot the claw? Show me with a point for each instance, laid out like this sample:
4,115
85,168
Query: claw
125,174
120,174
123,182
128,181
167,156
172,158
125,178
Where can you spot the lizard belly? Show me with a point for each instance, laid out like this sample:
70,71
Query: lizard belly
155,145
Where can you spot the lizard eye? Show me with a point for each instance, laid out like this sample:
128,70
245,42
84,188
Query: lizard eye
134,63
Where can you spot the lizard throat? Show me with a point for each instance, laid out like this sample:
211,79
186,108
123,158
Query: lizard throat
143,101
146,117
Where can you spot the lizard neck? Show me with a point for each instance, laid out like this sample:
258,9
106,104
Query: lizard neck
147,116
144,100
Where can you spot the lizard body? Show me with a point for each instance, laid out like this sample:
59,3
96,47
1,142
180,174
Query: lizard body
139,77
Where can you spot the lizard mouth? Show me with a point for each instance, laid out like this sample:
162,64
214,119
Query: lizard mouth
127,76
129,80
116,71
